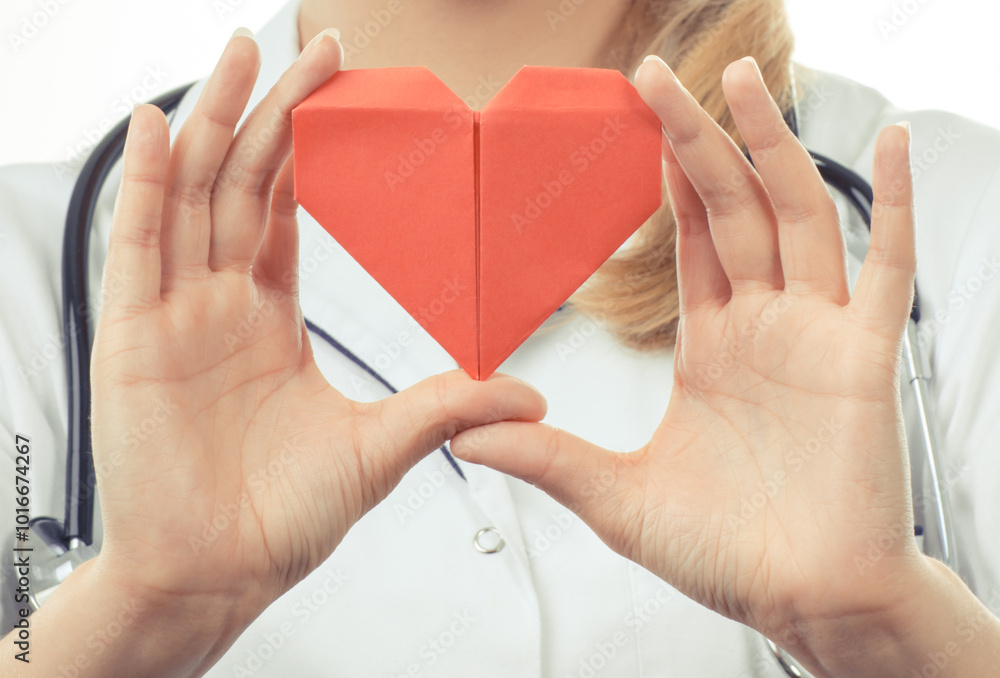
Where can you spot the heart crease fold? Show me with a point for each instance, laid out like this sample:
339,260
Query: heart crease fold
480,224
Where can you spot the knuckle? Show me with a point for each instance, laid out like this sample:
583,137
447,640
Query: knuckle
688,136
190,195
892,259
799,213
773,139
553,448
726,201
249,182
215,119
142,233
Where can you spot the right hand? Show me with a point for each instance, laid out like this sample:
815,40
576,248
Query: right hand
248,432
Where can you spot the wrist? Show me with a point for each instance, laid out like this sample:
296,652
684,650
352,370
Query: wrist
96,624
189,631
926,622
865,633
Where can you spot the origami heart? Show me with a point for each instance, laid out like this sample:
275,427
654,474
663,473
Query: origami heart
479,223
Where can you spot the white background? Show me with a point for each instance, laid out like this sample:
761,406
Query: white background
82,69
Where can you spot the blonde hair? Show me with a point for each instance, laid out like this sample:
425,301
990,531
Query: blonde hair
635,293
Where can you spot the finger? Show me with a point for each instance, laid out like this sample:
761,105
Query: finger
884,290
812,256
587,479
427,414
276,263
198,153
700,277
259,150
132,268
742,222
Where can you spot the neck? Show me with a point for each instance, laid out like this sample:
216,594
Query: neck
473,46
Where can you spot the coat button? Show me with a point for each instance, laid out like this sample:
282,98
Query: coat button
488,540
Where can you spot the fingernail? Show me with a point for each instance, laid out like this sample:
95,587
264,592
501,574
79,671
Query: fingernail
756,66
242,31
661,64
905,124
131,126
332,32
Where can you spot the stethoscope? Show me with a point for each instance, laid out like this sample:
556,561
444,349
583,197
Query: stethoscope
70,543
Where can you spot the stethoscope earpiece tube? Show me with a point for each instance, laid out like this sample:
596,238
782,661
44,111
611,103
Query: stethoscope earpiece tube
78,523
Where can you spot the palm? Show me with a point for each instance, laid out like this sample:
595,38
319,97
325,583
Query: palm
781,455
242,402
220,447
763,426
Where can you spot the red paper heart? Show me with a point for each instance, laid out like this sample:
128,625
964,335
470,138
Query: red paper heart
480,224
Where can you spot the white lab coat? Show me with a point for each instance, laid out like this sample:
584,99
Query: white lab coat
406,593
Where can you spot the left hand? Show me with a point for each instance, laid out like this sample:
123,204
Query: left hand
781,458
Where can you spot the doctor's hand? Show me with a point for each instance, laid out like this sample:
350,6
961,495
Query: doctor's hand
228,467
775,491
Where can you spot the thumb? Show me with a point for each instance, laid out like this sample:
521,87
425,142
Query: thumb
429,413
589,480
